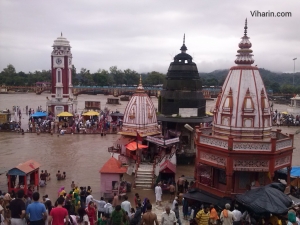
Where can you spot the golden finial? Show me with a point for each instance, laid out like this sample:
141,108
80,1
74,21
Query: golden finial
140,84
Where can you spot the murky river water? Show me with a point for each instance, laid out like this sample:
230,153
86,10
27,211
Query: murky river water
80,156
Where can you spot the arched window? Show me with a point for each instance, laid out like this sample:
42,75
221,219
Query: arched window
58,76
70,76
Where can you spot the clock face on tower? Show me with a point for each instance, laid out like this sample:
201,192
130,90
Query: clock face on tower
58,61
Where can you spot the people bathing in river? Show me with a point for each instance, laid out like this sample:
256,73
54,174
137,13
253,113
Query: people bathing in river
58,175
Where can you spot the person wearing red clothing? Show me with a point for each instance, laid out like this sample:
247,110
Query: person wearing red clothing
59,215
91,212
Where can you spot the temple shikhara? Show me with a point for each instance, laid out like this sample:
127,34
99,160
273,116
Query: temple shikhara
141,147
240,151
62,98
182,102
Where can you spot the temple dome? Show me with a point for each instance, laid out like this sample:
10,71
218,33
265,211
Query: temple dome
242,108
140,115
61,42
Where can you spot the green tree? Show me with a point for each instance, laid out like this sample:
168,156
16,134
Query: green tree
101,78
118,75
131,77
287,89
155,78
86,78
275,87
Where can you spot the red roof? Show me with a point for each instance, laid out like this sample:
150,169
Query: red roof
167,167
113,166
28,166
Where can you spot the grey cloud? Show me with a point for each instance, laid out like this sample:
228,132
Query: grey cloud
145,35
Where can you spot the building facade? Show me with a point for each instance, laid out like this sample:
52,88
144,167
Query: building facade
240,151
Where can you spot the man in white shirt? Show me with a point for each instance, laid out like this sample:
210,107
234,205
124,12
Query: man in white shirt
88,199
168,217
125,205
108,208
238,215
227,216
100,206
174,203
158,194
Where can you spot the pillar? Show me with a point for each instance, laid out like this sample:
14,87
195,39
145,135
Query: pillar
289,168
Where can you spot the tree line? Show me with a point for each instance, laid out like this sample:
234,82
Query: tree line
278,82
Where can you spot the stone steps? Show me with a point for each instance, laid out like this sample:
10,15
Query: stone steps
144,176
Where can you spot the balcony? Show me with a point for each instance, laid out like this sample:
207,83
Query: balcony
114,150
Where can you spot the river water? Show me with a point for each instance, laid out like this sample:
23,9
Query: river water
80,156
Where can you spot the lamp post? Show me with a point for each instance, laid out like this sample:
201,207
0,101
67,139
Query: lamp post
294,72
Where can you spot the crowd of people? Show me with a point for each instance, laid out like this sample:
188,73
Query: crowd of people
79,207
284,119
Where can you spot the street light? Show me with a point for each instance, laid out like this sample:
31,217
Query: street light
294,70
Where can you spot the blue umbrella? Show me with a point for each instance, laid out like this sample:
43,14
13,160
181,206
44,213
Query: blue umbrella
39,114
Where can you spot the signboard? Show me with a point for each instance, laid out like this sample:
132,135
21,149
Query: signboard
188,112
171,141
162,141
3,118
156,140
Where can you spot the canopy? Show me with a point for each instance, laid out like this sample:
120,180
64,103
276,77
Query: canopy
64,114
132,146
117,114
209,113
295,171
267,199
39,114
284,113
91,113
205,197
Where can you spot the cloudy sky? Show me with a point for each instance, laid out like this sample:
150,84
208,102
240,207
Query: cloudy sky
145,35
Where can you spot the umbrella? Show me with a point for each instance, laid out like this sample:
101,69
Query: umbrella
64,114
209,114
91,113
39,114
267,199
284,113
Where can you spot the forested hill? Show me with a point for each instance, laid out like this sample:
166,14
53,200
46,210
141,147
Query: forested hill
278,82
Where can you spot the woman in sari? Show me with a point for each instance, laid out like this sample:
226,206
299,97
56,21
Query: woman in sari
91,212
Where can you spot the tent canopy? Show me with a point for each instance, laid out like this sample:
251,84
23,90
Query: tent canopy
295,171
65,114
267,199
204,197
91,113
39,114
132,146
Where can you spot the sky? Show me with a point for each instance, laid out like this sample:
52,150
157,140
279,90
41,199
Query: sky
145,35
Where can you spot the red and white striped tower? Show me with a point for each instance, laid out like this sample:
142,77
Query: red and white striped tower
62,98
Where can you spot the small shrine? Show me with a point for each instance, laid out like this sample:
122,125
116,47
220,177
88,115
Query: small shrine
240,151
294,107
23,176
111,178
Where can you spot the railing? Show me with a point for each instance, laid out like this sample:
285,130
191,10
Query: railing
212,141
260,146
282,144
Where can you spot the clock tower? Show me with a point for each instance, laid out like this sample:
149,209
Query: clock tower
62,99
